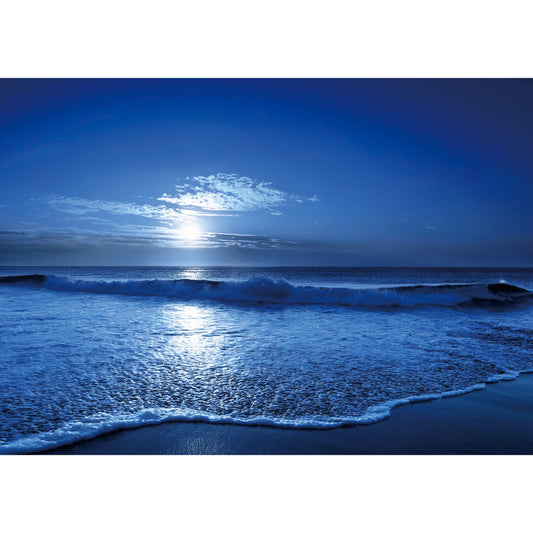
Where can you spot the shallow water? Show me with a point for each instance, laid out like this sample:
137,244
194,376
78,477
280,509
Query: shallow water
87,350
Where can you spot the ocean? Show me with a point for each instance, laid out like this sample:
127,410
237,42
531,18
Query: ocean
85,351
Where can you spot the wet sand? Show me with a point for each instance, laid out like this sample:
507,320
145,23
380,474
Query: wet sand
495,420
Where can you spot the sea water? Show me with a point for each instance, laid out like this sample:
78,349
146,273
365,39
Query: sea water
84,351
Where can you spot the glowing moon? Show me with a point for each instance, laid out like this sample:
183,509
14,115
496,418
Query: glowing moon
190,232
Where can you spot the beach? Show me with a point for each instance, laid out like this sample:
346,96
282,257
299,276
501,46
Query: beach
495,420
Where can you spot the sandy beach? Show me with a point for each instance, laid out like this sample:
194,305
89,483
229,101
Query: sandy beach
495,420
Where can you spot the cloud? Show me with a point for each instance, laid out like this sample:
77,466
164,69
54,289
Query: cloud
220,195
226,195
430,226
229,192
81,206
239,240
39,237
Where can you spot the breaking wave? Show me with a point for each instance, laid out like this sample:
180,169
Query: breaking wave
267,290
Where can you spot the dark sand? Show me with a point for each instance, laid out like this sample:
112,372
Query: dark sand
495,420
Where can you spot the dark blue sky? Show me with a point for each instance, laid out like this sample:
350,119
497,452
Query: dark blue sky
266,172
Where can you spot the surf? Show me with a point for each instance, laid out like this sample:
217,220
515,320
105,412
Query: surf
264,290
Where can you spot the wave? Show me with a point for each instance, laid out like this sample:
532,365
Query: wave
104,423
266,290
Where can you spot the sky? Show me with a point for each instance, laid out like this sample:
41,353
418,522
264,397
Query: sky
266,172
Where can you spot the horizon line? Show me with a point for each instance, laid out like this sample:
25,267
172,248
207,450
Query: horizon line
268,266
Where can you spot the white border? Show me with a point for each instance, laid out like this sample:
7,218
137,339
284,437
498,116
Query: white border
278,38
265,494
260,39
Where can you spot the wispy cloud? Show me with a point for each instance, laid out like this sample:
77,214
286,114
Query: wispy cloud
131,235
430,226
81,206
220,195
229,192
212,196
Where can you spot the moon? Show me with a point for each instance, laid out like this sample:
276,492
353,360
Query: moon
190,232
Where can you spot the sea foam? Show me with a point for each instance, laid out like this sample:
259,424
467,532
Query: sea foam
103,423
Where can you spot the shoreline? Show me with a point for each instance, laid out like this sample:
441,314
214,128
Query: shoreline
497,419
